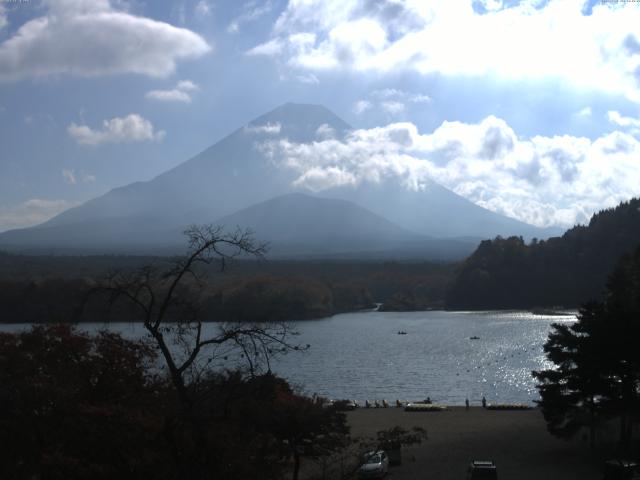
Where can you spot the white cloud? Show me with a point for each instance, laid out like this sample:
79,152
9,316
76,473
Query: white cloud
325,132
69,176
31,212
308,78
180,93
584,112
179,11
391,100
173,95
317,179
72,178
553,42
400,95
419,98
203,8
545,181
386,93
268,128
90,37
270,48
251,11
615,117
361,106
187,86
132,128
3,17
392,107
492,5
39,118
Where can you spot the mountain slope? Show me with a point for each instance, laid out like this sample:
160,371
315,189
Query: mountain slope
298,217
567,270
436,211
225,177
302,225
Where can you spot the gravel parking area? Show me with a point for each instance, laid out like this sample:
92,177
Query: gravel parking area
517,441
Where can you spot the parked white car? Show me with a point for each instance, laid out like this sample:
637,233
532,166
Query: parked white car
376,465
482,470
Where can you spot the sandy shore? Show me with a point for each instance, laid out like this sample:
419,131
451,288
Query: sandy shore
516,440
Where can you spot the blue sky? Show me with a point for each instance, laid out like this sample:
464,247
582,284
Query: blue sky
529,108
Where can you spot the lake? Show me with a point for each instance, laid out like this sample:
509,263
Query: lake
361,355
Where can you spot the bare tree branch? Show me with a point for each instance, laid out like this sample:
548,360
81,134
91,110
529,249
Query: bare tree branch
169,309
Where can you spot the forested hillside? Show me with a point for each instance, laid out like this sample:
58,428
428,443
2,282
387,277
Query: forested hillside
47,289
562,271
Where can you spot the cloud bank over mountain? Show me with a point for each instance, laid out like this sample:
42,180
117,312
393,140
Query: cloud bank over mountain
544,181
235,175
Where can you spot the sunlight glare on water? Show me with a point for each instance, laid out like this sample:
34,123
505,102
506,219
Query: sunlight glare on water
362,356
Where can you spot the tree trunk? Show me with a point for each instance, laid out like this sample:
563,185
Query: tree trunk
296,462
169,436
628,432
193,462
592,424
176,375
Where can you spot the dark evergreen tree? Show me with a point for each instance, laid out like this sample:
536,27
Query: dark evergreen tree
597,359
560,271
621,328
570,393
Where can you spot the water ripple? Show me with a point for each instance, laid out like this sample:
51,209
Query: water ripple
361,356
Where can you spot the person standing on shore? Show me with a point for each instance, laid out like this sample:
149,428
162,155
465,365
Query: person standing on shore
484,402
466,403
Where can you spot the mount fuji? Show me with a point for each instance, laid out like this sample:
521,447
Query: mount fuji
235,184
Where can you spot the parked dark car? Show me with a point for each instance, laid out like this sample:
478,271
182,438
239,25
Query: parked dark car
482,470
394,450
621,470
344,405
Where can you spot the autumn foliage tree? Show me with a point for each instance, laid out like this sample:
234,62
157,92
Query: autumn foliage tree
78,406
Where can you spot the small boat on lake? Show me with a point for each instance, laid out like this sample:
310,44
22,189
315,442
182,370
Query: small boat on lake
402,332
475,337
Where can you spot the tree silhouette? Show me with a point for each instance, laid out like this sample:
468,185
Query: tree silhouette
570,393
169,304
597,374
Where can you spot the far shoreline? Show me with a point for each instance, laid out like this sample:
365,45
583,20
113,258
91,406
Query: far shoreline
544,313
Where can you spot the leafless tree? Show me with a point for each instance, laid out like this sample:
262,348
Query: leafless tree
168,302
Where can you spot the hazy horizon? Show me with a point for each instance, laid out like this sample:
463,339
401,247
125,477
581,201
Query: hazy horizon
527,108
